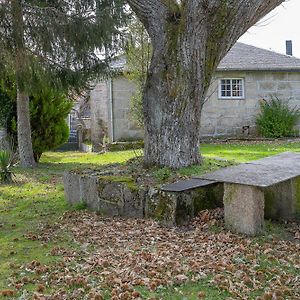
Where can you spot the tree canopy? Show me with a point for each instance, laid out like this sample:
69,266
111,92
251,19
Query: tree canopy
63,37
62,42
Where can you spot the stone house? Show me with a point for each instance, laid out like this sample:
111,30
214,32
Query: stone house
244,77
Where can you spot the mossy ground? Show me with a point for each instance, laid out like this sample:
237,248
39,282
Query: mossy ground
36,202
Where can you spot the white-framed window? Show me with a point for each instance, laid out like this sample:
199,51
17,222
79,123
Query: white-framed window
231,88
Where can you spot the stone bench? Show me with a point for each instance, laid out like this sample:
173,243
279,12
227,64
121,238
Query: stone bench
266,188
120,195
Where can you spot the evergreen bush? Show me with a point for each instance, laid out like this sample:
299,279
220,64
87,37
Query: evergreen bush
277,119
48,112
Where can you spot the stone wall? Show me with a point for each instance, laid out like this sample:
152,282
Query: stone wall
122,196
125,129
99,114
228,117
110,111
219,117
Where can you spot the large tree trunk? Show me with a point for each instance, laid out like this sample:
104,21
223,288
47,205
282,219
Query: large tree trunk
172,104
24,131
189,39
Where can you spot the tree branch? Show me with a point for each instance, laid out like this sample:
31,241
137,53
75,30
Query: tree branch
152,13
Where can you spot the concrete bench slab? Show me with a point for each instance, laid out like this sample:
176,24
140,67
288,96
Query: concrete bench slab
185,185
287,160
261,175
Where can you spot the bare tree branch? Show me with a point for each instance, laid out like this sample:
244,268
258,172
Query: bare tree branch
152,13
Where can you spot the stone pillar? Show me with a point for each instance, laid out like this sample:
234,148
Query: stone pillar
280,200
72,187
99,115
244,208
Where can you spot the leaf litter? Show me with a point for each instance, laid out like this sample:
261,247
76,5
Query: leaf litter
116,257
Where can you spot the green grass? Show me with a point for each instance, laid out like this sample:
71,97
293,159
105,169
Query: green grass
246,152
24,208
37,199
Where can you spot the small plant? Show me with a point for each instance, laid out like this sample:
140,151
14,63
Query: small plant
82,205
277,119
162,174
6,164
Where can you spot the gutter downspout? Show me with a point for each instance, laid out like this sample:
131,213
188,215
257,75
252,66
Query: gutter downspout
111,106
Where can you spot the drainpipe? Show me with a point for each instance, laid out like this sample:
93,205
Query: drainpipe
111,106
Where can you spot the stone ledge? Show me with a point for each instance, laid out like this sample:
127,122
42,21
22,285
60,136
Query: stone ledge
120,195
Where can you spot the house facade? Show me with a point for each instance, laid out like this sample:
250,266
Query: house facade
244,77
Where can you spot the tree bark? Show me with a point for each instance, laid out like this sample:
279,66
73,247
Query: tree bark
23,114
189,39
24,131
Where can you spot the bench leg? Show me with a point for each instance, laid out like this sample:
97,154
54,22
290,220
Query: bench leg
281,199
244,208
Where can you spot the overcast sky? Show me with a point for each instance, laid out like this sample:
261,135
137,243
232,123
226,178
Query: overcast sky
280,25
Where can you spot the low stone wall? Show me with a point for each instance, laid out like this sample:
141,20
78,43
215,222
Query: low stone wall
122,196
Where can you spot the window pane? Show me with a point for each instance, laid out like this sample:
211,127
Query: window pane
231,88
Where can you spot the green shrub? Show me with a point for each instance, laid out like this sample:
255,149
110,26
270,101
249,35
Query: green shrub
48,112
277,119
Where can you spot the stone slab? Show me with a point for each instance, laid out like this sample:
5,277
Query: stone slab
184,185
262,173
289,160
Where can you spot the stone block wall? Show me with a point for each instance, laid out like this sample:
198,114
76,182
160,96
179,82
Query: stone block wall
228,117
99,114
110,111
125,129
220,117
121,196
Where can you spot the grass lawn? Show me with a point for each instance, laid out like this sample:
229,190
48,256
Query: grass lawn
48,248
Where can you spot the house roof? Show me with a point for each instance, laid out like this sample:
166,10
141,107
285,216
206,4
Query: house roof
244,57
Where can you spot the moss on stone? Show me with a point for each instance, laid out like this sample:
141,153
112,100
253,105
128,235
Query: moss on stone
270,209
200,199
184,209
209,197
231,189
128,181
164,210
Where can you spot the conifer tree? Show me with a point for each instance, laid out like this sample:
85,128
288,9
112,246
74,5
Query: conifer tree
56,41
